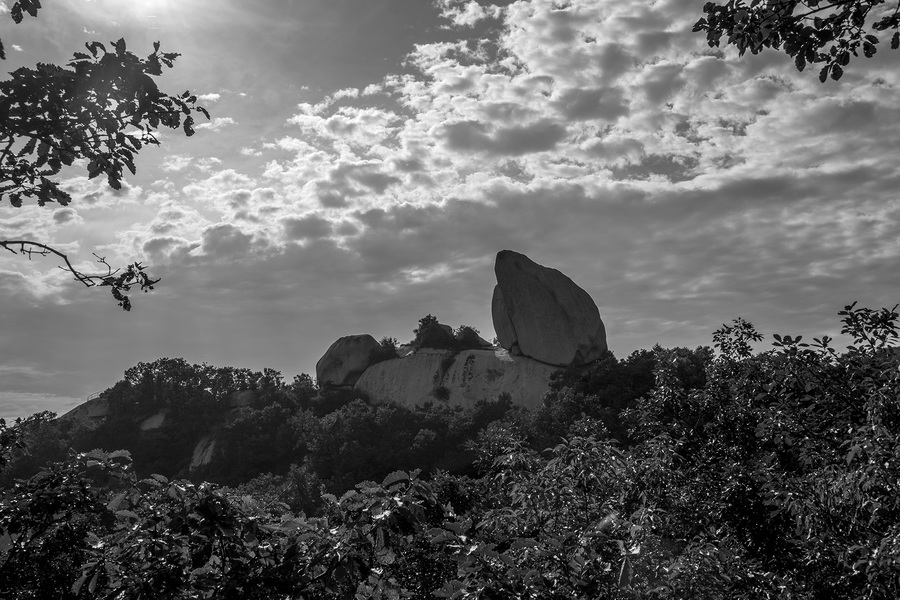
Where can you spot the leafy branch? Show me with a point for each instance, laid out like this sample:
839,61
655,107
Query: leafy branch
99,110
826,32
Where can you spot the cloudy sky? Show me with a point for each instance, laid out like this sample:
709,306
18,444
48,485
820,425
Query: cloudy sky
366,160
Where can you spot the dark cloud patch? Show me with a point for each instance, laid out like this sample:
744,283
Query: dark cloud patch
604,104
674,168
654,42
614,60
346,228
615,151
563,25
331,199
161,245
65,215
238,199
306,228
374,179
503,112
662,81
15,224
225,241
366,174
849,116
468,136
705,71
408,165
340,125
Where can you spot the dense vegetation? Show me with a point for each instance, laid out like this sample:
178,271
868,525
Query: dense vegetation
672,473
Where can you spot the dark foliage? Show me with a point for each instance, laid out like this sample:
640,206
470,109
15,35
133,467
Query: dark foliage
770,475
823,32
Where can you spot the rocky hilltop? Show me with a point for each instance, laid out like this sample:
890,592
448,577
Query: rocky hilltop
188,419
543,320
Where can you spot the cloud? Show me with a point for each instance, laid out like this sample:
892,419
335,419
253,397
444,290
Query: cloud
306,228
507,141
209,98
216,124
466,13
176,162
67,216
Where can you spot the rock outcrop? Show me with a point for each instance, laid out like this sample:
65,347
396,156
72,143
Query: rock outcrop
346,360
94,409
541,313
458,379
153,422
203,451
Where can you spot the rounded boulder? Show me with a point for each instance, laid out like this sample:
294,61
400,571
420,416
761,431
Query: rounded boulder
346,360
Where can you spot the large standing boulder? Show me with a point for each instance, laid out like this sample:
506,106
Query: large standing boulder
541,313
347,359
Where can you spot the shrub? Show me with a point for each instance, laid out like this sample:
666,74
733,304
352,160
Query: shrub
431,334
467,338
387,351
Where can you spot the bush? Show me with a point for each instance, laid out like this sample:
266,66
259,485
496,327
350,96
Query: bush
387,351
431,334
467,338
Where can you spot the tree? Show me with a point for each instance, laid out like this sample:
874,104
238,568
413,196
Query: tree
431,334
100,109
811,32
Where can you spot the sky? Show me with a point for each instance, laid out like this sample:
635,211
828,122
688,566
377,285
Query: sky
367,159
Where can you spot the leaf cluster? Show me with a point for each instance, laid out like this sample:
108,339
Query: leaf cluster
826,32
100,110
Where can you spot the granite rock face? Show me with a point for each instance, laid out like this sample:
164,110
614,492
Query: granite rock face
94,409
457,379
346,359
541,313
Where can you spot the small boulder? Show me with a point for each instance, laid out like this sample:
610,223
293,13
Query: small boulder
346,360
154,422
542,313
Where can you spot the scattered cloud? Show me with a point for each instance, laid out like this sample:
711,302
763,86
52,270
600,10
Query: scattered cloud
682,186
216,124
176,162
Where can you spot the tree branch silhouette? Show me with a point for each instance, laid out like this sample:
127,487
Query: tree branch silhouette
117,280
101,108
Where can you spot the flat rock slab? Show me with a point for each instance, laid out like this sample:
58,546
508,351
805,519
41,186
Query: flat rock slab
440,376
